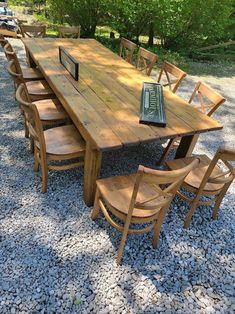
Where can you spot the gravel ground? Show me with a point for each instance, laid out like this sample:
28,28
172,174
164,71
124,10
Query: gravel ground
54,259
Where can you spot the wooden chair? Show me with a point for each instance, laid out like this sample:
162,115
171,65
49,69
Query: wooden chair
126,50
73,31
29,74
170,70
141,198
208,180
37,90
58,144
33,31
209,101
50,111
146,60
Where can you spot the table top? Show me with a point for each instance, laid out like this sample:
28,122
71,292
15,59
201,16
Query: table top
105,103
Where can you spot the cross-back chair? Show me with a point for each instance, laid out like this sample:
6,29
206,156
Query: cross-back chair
146,60
126,49
37,90
209,179
208,101
50,111
29,74
59,144
33,31
141,198
173,75
69,31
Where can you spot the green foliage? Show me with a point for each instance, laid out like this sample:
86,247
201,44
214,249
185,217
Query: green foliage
178,25
131,18
79,12
33,4
187,23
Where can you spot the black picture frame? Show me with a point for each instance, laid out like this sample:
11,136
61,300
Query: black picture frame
69,62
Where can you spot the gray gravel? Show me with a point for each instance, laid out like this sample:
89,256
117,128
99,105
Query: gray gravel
54,259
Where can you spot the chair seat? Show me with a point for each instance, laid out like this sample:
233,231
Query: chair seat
39,88
32,74
50,109
194,178
64,140
117,191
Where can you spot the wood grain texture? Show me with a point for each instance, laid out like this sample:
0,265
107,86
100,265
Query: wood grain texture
105,102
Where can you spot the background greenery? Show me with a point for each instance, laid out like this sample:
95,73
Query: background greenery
176,27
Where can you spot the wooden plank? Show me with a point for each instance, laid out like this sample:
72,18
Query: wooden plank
231,42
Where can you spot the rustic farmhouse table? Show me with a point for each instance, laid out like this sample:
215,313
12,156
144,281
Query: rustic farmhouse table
104,104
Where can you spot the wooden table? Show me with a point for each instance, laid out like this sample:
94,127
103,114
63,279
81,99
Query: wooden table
104,104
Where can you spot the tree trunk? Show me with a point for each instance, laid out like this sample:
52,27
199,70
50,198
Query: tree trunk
151,35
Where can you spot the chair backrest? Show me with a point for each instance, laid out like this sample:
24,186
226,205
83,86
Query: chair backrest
208,99
33,31
173,75
12,70
3,41
146,60
127,49
32,117
73,31
11,55
166,184
225,176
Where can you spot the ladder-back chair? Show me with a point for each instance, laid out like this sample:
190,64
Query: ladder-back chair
72,31
37,90
29,74
209,179
173,75
146,60
208,101
33,31
59,144
141,198
126,50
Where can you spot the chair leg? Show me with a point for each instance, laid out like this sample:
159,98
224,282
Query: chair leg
31,144
44,175
96,209
157,227
218,201
190,213
36,162
166,151
123,242
26,128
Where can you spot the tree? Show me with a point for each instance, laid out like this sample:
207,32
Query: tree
188,23
86,13
131,18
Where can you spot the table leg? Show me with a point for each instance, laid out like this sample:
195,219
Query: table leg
186,146
92,167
